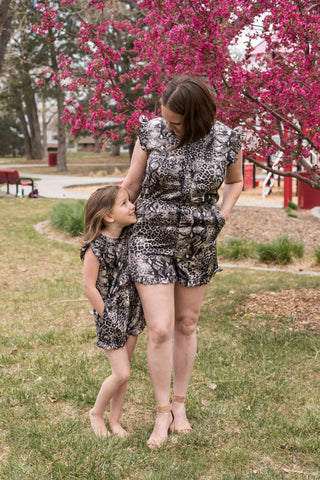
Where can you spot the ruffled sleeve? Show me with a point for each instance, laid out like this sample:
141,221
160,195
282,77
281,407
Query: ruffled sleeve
227,142
152,133
234,144
97,247
83,250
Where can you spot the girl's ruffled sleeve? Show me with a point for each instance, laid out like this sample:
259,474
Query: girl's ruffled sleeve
83,251
96,247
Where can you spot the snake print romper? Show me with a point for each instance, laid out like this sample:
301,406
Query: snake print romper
174,239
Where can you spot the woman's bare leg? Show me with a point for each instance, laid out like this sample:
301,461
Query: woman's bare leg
188,302
158,305
117,401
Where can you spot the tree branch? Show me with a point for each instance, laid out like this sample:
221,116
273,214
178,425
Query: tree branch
314,182
280,118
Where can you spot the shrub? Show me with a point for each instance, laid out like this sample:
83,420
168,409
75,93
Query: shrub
236,249
317,254
281,250
68,217
293,205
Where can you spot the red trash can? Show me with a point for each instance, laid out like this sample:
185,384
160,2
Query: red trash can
52,159
249,180
308,197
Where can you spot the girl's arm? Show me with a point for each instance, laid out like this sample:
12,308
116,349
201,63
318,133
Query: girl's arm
232,187
90,275
136,172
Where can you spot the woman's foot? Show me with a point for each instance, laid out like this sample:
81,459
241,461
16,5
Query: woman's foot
180,422
163,421
98,425
116,429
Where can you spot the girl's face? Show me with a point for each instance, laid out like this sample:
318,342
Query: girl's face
123,211
174,120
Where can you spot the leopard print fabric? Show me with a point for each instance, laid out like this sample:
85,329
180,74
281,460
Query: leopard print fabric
174,239
123,314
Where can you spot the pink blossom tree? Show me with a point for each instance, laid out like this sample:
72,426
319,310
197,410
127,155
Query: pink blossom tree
275,96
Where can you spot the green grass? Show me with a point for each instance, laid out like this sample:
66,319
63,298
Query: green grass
68,217
261,421
280,251
236,249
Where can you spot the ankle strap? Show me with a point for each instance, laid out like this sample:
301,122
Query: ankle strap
179,398
165,409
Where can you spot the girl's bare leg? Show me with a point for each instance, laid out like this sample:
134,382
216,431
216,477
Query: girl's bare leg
188,302
120,367
117,401
158,305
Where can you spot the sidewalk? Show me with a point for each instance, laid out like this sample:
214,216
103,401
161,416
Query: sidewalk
56,186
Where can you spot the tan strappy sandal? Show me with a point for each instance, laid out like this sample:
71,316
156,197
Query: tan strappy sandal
154,442
173,429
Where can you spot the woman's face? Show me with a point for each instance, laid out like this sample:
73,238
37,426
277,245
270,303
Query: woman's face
174,120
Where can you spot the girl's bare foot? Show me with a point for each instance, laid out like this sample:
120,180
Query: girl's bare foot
98,425
116,429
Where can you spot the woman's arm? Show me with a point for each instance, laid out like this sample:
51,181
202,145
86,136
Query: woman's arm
136,172
232,187
90,275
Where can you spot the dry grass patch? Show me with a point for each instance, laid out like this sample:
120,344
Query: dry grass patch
299,306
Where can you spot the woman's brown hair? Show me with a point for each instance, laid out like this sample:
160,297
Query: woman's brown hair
100,203
190,97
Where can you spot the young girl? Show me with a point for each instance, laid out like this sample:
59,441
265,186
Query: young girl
117,309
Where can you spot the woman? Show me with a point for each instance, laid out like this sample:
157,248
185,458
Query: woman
179,162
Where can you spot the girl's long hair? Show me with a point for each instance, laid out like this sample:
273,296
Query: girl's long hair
100,203
189,97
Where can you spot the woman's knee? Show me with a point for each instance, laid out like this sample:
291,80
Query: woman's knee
160,334
186,323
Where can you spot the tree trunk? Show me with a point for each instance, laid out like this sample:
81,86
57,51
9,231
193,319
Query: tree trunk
33,121
25,131
5,35
115,150
4,9
131,148
44,130
62,137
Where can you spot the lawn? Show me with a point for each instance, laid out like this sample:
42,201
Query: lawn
78,164
254,398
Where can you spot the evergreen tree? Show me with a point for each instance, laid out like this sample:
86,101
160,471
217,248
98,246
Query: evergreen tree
11,138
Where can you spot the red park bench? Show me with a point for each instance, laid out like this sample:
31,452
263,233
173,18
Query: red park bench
12,177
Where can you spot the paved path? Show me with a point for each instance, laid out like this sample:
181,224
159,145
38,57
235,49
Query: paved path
56,186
